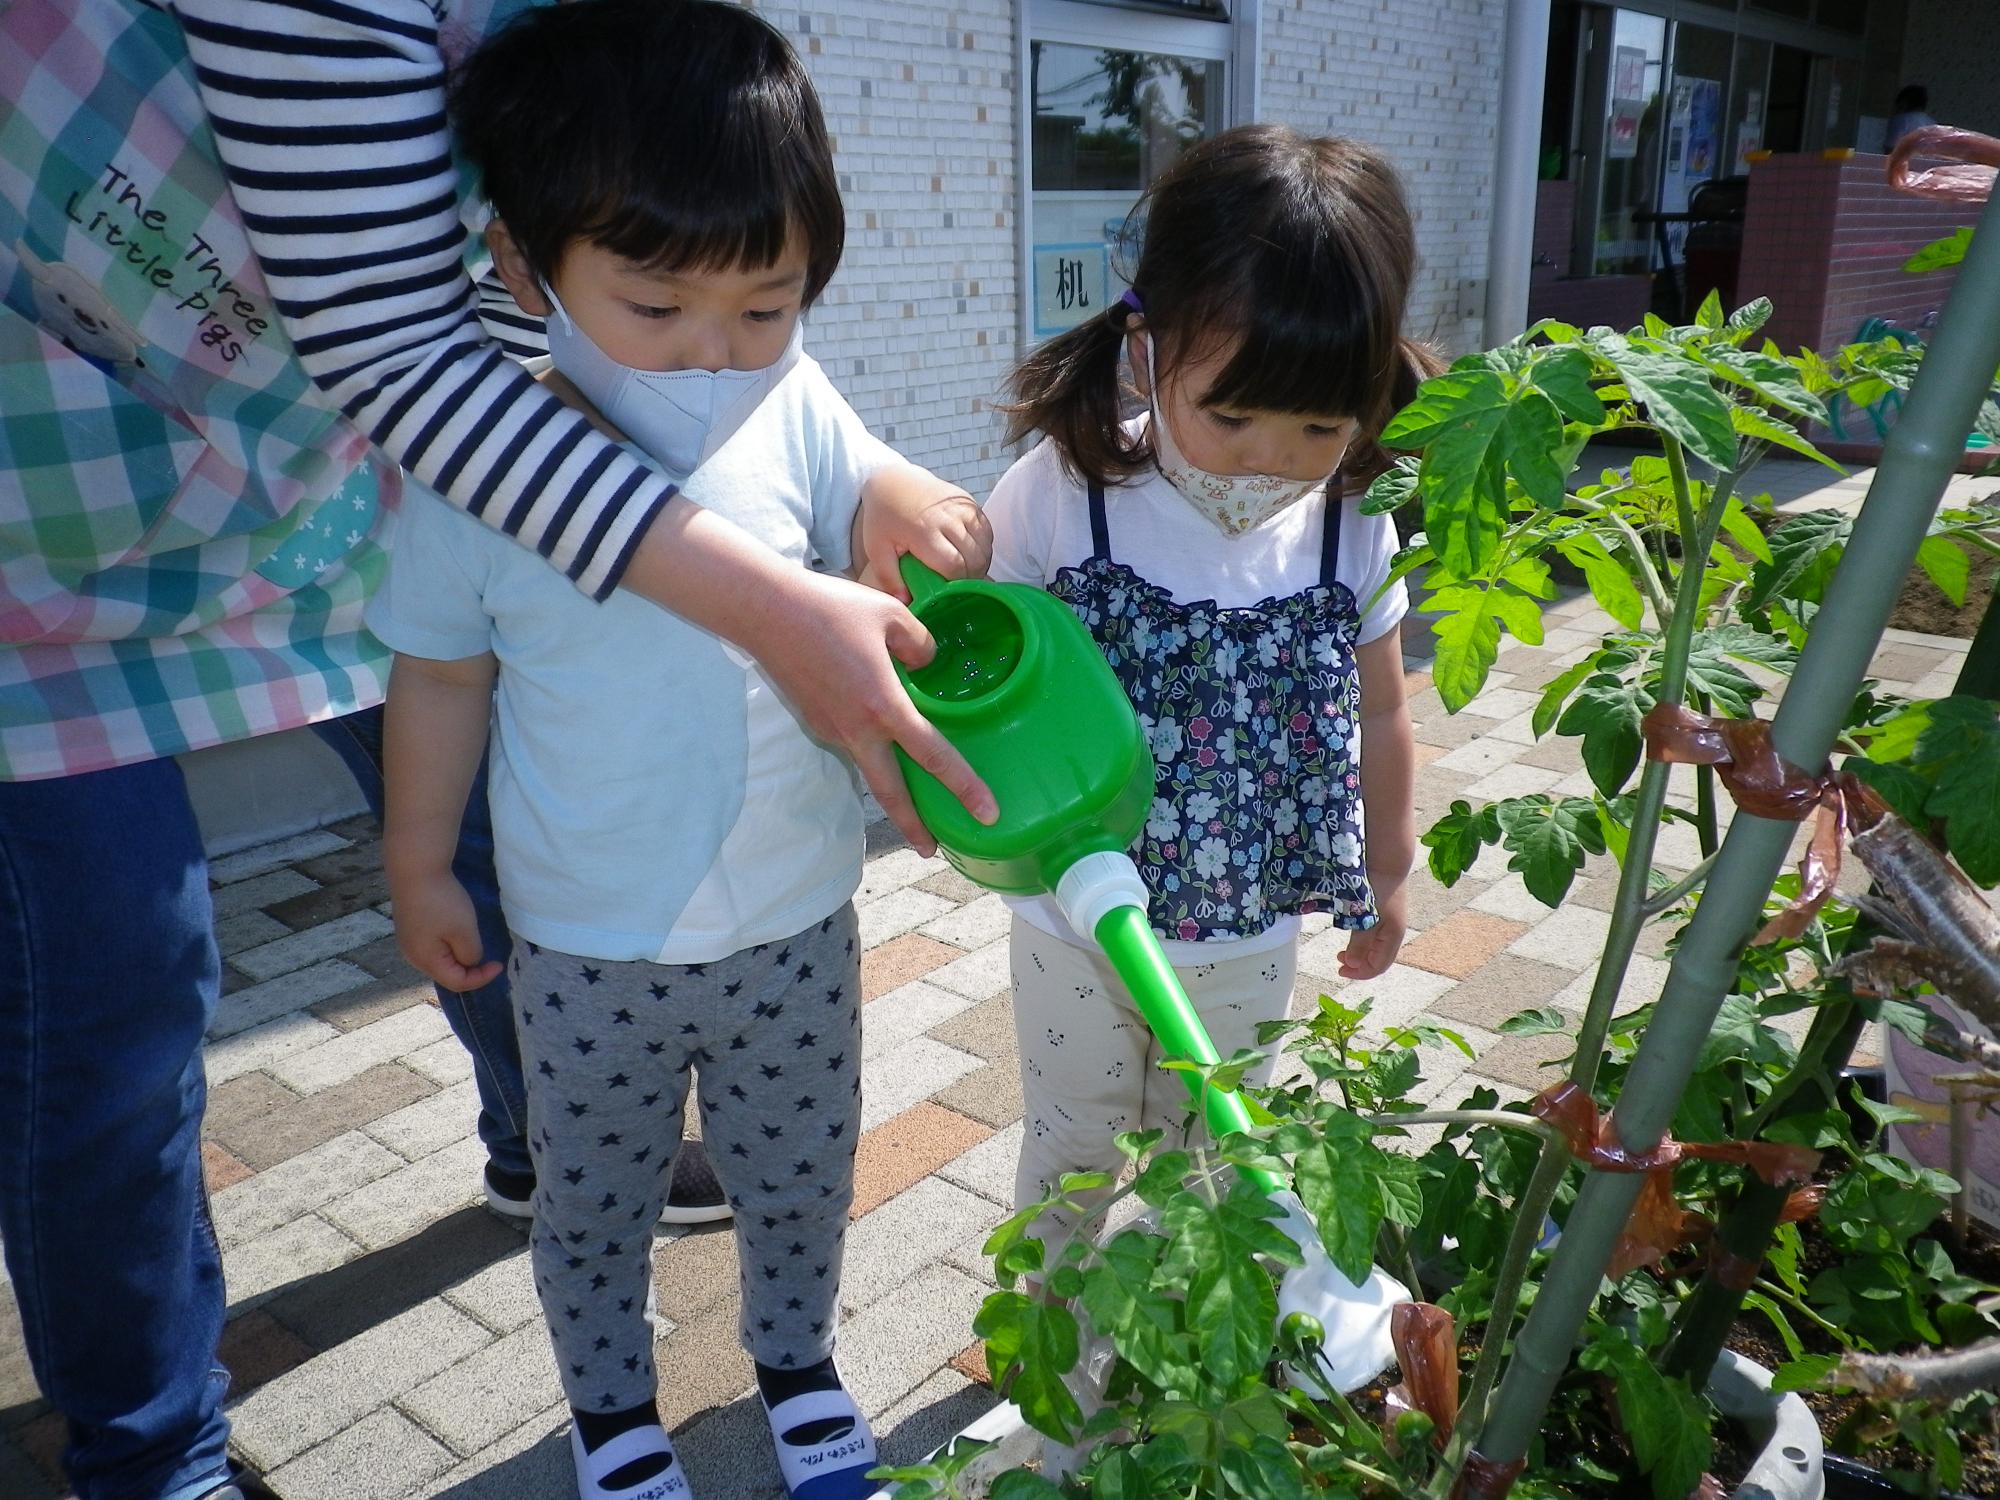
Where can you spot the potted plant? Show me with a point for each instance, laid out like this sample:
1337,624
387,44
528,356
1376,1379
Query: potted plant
1576,1368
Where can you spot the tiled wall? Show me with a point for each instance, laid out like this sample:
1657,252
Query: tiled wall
1826,241
1948,47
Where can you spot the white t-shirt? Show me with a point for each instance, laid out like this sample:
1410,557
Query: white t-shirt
1041,525
652,796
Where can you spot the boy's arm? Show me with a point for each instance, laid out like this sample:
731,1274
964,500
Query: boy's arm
434,733
1388,803
907,509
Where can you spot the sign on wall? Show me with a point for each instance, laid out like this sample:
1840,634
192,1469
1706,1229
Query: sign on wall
1072,284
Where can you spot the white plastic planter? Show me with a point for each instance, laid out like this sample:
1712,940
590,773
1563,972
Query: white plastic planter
1788,1468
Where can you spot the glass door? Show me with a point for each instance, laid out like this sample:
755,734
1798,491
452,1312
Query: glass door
1630,154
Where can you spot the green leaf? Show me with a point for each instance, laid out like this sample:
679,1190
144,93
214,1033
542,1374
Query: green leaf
1770,376
1610,584
1606,712
1392,489
1744,531
1549,840
1456,839
1544,1020
1752,423
1797,548
1162,1178
1459,419
1938,254
1262,1470
1747,319
1903,789
1946,564
1564,377
1033,1344
1557,692
1960,751
1709,314
1143,1324
1667,1423
1896,738
1805,1374
1468,635
1712,670
1337,1181
1019,1484
1232,1305
1678,399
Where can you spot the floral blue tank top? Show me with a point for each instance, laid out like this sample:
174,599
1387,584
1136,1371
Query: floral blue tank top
1254,716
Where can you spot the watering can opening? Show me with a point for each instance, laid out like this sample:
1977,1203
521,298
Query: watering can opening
979,645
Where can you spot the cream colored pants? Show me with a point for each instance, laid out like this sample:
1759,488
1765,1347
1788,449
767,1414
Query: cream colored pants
1089,1066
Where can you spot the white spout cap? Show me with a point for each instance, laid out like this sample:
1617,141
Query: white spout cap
1097,885
1356,1318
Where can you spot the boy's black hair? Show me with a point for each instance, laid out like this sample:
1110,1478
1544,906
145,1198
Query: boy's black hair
683,135
1913,97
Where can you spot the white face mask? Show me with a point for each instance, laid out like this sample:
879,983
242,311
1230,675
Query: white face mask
1236,503
680,417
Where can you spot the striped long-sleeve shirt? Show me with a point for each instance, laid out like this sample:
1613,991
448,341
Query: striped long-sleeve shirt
329,117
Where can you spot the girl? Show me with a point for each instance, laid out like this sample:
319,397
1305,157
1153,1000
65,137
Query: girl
1214,548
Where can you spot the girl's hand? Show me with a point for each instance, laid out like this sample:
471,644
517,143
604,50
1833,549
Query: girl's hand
911,510
1369,954
439,934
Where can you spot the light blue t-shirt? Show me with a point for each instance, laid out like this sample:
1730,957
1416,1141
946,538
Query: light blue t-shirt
653,797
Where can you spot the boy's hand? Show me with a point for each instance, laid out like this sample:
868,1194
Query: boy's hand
439,934
1369,954
910,510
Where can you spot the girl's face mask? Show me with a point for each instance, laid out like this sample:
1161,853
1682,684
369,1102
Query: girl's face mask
680,417
1235,503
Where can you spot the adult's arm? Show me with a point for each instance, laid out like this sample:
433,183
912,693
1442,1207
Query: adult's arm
329,116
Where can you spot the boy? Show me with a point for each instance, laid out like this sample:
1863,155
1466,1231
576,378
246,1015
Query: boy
676,855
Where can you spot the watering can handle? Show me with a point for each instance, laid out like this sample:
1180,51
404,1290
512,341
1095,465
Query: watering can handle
920,580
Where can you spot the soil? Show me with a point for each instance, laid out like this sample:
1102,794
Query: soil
1753,1338
1921,607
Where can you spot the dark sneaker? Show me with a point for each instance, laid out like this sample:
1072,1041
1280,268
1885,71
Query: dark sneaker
510,1193
696,1196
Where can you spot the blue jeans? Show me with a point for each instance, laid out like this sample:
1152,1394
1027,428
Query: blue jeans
108,978
481,1018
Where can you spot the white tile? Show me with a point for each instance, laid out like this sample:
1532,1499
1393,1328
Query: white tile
444,1062
980,975
502,1296
1511,781
899,912
397,1204
1480,757
1508,897
260,891
255,1004
1644,978
1520,729
357,1051
277,1195
430,1124
387,1446
893,1243
893,1346
973,925
1570,937
1501,702
1397,995
266,857
988,1168
909,1074
261,1046
483,1398
247,929
304,1248
907,1011
894,870
315,943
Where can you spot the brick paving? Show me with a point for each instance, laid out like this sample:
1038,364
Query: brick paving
384,1335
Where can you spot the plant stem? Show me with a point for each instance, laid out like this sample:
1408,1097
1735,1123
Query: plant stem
1803,1308
1642,563
1917,460
1679,891
1505,1119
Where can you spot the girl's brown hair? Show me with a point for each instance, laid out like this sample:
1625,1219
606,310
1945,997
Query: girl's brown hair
1298,250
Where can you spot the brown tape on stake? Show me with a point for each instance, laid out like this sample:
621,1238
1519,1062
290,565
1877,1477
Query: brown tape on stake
1968,180
1766,785
1738,1273
1484,1479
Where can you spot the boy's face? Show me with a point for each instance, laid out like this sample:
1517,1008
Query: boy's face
693,320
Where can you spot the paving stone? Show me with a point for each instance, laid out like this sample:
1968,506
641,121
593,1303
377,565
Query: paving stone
241,1102
304,1248
444,1062
259,891
1570,937
255,1004
356,1051
357,858
1398,995
387,1446
1520,729
43,1440
1501,988
1576,784
333,1392
1445,1067
352,1009
986,920
247,929
899,912
897,1079
702,1365
304,1123
299,1186
384,959
256,1349
905,1012
1448,733
311,909
1501,702
1909,663
315,943
1534,667
502,1296
19,1395
905,1150
978,975
727,1450
1460,943
437,1118
893,871
267,857
900,960
1510,781
1644,979
397,1204
1527,1062
896,1241
531,1461
990,1095
986,1030
971,1363
1508,897
1481,757
1555,753
487,1396
21,1478
988,1168
695,1271
931,1416
1429,902
951,885
893,1345
219,1169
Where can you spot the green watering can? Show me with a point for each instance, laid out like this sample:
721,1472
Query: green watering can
1020,689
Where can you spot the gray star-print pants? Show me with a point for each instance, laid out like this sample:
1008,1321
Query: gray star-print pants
774,1036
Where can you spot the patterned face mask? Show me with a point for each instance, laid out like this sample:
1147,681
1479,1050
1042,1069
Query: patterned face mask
1236,503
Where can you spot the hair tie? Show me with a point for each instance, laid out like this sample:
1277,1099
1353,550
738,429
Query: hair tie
1131,299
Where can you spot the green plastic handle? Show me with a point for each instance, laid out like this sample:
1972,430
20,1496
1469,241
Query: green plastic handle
919,579
1129,944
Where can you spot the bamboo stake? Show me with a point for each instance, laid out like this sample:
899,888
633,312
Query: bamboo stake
1918,459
